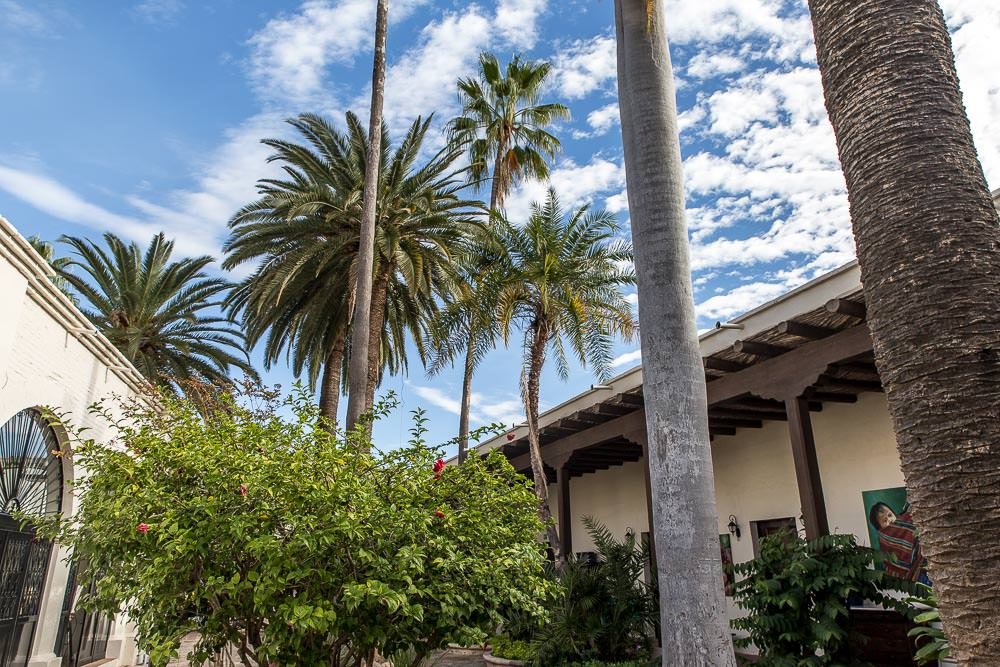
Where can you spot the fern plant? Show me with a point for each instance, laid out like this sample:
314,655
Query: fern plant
605,612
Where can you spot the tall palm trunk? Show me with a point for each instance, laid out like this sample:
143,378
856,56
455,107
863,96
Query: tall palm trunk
380,295
685,526
928,243
358,398
329,395
532,380
463,417
496,197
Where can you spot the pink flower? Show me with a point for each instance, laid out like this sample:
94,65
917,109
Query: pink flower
143,528
243,490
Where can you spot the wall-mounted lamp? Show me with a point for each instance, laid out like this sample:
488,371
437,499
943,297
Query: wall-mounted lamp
734,527
728,325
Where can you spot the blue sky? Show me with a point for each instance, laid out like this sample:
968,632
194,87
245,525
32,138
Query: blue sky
141,116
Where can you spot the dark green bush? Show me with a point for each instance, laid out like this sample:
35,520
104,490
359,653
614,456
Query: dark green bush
605,612
512,649
797,596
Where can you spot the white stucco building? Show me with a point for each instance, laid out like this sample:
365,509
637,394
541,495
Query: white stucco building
801,437
50,357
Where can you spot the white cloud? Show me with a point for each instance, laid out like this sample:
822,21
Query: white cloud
158,12
53,198
627,359
600,121
584,66
18,18
423,80
707,65
290,53
516,21
481,409
575,184
195,217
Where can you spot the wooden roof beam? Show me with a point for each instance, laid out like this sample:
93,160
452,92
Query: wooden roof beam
848,383
847,307
726,412
724,365
829,397
803,330
758,348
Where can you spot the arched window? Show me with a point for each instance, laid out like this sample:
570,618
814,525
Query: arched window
30,474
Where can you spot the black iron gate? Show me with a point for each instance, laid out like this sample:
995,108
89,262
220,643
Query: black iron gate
83,636
30,481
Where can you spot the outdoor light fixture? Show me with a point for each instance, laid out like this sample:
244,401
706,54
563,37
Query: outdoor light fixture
734,527
728,325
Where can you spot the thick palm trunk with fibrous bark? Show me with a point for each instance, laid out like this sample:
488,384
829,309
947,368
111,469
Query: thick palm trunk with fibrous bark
532,381
329,394
928,243
359,398
685,525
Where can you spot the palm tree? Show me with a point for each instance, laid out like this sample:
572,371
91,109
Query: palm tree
48,253
928,242
359,398
504,130
159,313
563,291
467,327
692,611
303,232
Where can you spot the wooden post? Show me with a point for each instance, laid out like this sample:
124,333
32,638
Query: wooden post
563,503
806,467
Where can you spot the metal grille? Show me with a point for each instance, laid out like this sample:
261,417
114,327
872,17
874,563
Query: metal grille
30,481
30,475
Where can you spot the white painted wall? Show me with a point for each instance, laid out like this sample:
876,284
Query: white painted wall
755,477
44,362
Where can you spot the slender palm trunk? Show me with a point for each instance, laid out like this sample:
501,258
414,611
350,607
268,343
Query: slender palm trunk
463,417
532,380
682,486
928,243
380,294
358,396
496,197
329,395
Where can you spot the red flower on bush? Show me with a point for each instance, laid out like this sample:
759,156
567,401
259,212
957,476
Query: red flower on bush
439,465
439,514
243,490
511,436
143,528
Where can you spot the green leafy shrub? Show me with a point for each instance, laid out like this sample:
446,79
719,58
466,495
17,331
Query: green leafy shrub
513,649
932,644
605,612
295,545
797,596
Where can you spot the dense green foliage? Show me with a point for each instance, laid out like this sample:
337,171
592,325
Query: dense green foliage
604,612
295,545
162,314
932,644
303,233
797,592
503,127
513,649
